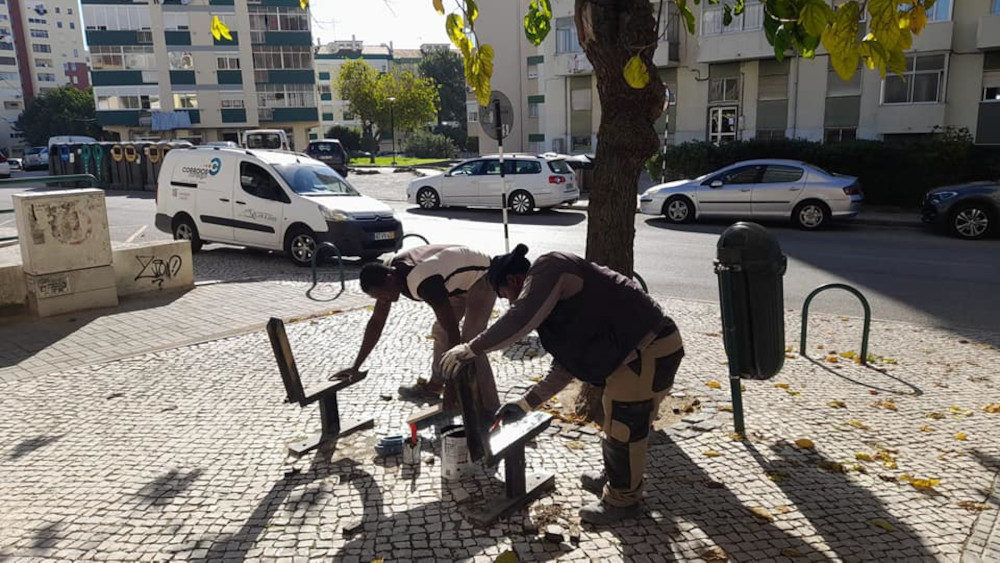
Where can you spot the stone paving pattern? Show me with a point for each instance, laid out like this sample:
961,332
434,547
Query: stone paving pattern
177,455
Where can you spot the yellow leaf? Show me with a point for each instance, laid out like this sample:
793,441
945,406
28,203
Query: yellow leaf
880,523
439,7
962,436
725,408
507,557
714,554
576,445
992,409
776,477
713,384
832,466
848,355
918,19
711,453
886,458
861,456
793,392
935,415
960,411
762,513
972,506
636,73
920,484
832,359
805,444
303,4
791,553
926,429
781,385
858,424
887,404
837,404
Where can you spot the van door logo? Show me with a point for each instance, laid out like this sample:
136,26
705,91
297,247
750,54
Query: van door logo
215,166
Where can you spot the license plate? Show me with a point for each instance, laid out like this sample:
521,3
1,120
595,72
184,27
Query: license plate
388,235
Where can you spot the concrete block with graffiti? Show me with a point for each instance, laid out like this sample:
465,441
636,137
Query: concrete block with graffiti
153,266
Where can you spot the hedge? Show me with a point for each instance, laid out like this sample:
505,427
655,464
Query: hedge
424,144
891,173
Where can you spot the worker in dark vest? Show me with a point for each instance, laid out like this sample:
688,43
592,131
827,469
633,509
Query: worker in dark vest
601,328
452,280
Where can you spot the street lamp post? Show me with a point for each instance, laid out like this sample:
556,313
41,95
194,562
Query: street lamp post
392,125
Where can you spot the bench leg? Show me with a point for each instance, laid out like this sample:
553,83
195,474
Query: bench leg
520,489
329,413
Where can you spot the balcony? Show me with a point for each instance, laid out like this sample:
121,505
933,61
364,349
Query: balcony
742,39
988,34
937,36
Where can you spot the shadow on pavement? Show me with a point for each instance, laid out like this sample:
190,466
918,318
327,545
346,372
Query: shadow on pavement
848,517
166,487
914,391
545,217
30,445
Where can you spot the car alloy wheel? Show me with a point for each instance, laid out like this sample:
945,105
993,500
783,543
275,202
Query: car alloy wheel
303,246
811,216
428,199
521,203
677,211
183,232
972,222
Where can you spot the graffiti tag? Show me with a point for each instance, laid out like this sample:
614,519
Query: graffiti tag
158,270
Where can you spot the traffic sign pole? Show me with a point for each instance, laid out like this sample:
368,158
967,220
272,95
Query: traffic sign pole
503,177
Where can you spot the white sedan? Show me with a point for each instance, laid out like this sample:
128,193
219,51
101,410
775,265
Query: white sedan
759,189
532,182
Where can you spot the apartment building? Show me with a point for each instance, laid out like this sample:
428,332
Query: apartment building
158,72
41,48
726,85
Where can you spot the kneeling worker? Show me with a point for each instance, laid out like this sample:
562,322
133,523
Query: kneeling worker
452,280
601,328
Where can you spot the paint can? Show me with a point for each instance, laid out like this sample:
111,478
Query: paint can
456,464
411,452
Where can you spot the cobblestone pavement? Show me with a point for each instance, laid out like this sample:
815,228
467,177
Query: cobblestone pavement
177,455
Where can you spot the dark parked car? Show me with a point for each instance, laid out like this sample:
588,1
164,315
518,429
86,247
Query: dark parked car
331,153
969,211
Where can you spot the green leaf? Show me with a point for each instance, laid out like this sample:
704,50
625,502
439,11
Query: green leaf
636,73
439,7
538,21
727,15
739,6
455,27
688,17
472,10
815,16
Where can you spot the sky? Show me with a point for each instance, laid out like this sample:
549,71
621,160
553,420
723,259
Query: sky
407,23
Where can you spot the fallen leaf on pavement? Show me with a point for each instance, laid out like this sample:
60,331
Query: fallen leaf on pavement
711,453
783,509
960,411
992,409
961,436
762,513
832,359
887,404
776,477
880,523
805,444
972,506
736,436
790,553
848,355
935,415
858,424
886,458
832,466
872,392
837,404
926,429
861,456
713,384
781,385
714,554
920,484
793,392
725,408
576,445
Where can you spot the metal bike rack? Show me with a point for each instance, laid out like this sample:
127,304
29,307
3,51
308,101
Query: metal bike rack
399,243
340,262
641,281
864,303
89,178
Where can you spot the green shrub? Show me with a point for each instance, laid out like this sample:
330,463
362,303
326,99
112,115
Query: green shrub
423,144
350,138
891,173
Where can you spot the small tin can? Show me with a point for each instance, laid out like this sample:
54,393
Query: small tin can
411,452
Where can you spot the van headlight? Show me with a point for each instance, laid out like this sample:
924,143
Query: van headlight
334,215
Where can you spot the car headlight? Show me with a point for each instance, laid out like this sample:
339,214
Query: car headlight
334,215
941,196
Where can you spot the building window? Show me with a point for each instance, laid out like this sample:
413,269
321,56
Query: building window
752,19
112,103
580,143
176,21
186,101
12,105
940,12
72,25
770,134
722,124
533,71
837,86
109,17
278,19
348,116
228,62
286,95
125,57
59,25
566,37
41,48
580,100
724,90
6,46
9,76
39,21
839,134
43,63
180,60
8,61
69,11
230,101
39,33
996,7
991,94
285,57
46,77
534,109
921,83
472,117
325,89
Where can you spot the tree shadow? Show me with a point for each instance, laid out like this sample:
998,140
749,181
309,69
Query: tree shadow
914,390
29,445
545,217
848,517
163,490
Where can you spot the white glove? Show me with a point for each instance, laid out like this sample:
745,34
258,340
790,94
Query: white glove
453,360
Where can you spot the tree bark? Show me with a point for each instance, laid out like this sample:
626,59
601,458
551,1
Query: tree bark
611,32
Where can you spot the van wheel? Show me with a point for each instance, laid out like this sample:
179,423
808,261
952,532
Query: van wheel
184,229
300,245
521,202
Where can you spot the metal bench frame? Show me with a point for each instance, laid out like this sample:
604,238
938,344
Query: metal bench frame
325,393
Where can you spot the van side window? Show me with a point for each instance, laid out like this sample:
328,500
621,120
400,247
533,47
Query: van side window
259,183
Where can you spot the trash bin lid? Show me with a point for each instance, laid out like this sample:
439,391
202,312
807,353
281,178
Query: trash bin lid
752,247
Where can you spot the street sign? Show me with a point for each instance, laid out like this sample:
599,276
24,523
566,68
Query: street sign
487,116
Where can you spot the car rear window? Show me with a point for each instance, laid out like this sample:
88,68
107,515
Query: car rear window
326,147
527,167
778,174
559,167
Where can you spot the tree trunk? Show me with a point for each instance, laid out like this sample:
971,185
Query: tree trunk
611,32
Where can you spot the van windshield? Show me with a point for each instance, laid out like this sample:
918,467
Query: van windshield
314,179
264,141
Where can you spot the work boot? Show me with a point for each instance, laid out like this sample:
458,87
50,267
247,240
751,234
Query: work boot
600,513
421,390
593,481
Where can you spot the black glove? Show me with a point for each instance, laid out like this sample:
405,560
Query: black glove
511,412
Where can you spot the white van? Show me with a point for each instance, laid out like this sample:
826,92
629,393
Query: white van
275,139
270,200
